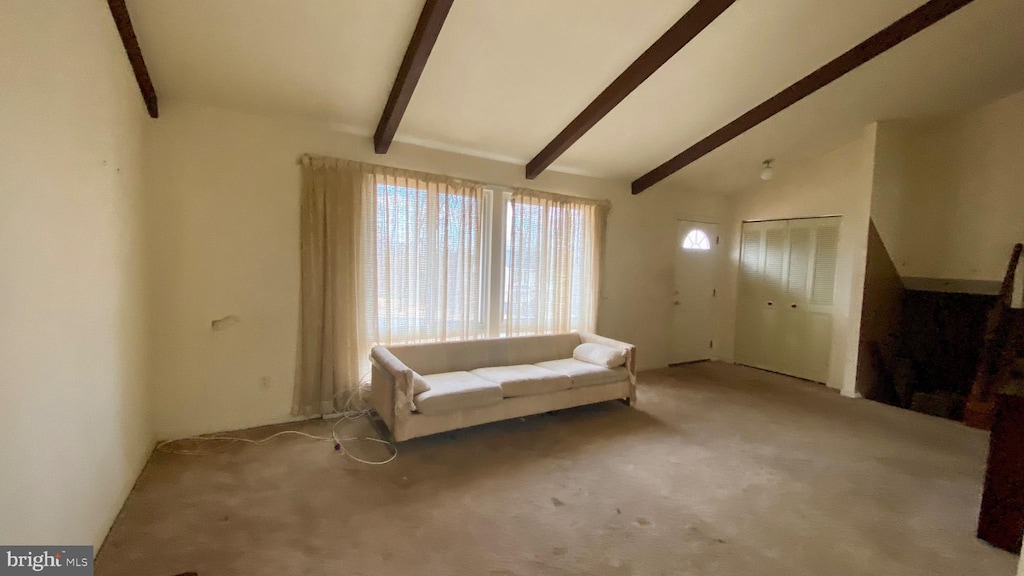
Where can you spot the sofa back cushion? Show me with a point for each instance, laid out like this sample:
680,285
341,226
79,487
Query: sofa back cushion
438,357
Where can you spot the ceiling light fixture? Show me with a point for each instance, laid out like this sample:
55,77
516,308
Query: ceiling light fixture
768,172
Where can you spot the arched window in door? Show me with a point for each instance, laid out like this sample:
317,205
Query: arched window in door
696,240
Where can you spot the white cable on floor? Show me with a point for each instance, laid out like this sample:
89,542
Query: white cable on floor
355,408
349,413
339,447
162,445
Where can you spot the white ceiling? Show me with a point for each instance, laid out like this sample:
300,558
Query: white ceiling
507,75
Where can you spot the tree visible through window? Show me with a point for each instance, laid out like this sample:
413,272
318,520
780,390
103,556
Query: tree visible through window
426,283
551,265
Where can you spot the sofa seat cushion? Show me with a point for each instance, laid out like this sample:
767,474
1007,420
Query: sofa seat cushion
525,379
453,391
585,373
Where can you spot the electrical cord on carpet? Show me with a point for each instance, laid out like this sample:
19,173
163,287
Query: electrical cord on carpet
355,407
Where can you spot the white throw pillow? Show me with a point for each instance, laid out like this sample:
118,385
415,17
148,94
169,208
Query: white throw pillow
601,355
419,385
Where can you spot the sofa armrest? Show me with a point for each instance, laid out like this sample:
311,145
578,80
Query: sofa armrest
389,362
629,349
588,338
391,384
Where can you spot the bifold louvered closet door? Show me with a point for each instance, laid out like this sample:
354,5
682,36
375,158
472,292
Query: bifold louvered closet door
786,291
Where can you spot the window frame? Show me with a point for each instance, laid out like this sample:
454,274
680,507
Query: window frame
498,198
494,233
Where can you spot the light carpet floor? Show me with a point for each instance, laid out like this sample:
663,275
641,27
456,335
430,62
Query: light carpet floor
720,470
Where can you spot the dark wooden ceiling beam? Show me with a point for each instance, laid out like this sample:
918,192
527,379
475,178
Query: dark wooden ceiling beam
672,41
428,28
131,46
914,22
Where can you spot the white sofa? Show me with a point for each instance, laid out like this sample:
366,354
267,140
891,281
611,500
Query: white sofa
478,381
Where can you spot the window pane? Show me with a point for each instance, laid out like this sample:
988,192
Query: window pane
427,264
550,267
696,240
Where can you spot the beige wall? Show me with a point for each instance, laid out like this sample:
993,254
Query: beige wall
74,430
956,191
223,220
890,210
838,183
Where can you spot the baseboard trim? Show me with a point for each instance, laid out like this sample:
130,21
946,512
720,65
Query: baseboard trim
689,363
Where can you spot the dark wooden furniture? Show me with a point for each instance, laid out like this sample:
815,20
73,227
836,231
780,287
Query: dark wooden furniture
1003,338
1001,521
997,403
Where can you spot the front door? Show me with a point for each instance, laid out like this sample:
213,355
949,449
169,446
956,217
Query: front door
693,317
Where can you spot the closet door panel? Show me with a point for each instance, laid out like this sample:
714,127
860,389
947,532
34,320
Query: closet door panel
808,345
751,289
808,334
775,262
826,254
792,335
772,327
801,247
785,295
751,261
772,319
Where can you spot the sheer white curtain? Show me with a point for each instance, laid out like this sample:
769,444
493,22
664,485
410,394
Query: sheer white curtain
554,257
388,256
423,256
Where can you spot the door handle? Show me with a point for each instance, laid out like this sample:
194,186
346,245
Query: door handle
792,305
770,303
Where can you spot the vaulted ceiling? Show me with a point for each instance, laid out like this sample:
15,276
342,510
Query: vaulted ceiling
505,76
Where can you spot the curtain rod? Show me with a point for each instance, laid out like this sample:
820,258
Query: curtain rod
309,159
